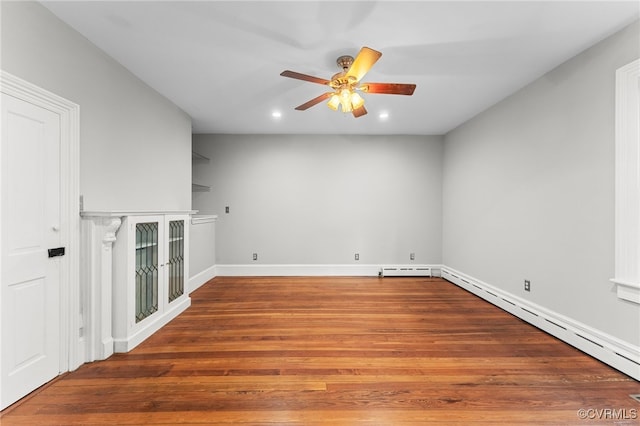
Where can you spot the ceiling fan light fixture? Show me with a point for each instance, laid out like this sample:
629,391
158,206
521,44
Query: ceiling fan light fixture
334,102
345,100
356,100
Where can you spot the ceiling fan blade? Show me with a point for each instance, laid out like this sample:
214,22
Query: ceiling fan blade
363,63
359,112
388,88
314,101
305,77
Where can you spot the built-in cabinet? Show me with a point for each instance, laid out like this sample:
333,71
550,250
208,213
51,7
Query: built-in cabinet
135,271
150,265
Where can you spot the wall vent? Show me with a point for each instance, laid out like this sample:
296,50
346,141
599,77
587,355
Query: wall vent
405,271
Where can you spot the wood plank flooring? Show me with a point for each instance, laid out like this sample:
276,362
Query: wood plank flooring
338,350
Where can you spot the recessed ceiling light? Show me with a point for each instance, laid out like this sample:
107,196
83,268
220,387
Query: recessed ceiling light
276,114
383,115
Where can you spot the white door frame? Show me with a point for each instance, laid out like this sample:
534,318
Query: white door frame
71,352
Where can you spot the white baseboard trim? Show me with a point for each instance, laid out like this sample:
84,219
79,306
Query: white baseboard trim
155,324
107,347
202,277
305,270
602,346
296,270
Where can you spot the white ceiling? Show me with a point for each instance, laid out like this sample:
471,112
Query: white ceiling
220,60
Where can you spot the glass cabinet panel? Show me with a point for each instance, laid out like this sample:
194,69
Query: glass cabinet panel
146,299
176,259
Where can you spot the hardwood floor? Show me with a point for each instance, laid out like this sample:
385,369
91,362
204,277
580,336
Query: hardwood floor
339,350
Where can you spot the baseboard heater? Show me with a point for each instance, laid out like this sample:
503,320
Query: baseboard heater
405,271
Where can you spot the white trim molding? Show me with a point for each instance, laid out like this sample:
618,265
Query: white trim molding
197,219
259,270
627,183
125,344
627,290
604,347
201,278
123,213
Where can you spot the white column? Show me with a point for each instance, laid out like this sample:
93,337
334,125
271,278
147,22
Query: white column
98,236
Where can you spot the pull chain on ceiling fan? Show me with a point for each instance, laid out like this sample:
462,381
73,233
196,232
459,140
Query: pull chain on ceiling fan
346,84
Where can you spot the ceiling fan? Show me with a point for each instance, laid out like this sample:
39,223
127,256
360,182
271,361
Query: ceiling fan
346,84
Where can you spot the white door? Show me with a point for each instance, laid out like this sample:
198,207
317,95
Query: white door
30,214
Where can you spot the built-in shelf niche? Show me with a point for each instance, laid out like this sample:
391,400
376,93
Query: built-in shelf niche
199,159
199,188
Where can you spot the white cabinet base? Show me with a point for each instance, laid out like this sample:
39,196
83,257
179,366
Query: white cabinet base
154,324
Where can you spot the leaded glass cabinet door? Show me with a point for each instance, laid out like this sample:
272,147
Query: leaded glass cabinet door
147,270
176,260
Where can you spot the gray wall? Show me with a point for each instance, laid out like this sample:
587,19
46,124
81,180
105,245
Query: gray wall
529,191
321,199
135,145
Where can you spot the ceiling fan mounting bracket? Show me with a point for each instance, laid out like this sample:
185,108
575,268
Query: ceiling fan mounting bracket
344,62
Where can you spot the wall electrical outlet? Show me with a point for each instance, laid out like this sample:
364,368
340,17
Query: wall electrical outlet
357,256
226,209
412,256
527,285
255,256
